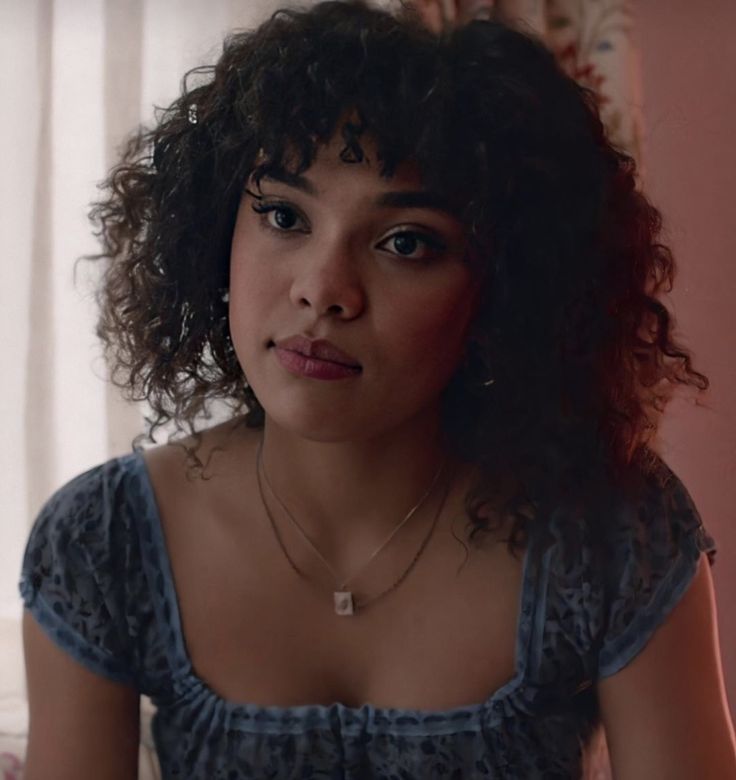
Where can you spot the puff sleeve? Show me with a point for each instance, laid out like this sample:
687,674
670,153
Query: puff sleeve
655,553
73,572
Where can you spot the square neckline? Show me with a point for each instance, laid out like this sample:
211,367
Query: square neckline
160,571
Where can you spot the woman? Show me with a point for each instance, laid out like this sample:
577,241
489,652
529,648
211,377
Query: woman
418,273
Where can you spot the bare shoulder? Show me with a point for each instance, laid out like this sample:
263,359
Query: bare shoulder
218,487
215,450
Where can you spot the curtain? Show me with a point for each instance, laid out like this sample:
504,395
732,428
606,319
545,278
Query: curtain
77,77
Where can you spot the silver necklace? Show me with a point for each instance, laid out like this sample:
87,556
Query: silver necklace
344,601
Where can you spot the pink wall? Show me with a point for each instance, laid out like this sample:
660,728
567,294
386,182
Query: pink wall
688,62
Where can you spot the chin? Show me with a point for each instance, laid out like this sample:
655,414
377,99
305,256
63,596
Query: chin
316,426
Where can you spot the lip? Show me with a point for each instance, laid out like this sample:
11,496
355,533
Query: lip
314,368
318,349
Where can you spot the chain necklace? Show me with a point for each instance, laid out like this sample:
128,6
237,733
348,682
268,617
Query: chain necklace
344,601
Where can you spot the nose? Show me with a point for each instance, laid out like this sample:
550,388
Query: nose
329,282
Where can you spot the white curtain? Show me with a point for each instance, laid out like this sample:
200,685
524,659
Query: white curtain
77,77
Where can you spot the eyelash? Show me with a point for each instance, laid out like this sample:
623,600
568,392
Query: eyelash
435,247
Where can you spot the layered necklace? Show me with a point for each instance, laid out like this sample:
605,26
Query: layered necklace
344,600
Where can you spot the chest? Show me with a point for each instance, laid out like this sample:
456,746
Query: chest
257,632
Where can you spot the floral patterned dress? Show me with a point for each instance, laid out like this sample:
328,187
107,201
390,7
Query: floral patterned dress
97,578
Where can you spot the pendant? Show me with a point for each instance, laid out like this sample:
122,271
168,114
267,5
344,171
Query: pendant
343,602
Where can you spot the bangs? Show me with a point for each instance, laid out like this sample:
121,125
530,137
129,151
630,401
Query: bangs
388,82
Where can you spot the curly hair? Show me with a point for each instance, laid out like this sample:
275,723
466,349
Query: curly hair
579,346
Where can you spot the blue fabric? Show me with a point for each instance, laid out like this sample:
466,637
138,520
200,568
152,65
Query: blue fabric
97,578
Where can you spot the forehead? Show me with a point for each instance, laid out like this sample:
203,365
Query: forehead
330,159
330,175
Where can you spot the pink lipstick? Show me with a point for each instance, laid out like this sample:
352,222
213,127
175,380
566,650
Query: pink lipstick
313,367
318,359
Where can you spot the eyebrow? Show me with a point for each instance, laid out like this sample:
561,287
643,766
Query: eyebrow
416,199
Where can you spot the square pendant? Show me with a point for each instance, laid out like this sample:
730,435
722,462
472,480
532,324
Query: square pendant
343,602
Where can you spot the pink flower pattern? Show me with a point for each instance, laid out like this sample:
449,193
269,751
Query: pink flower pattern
11,767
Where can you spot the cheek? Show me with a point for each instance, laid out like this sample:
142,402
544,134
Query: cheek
247,302
243,274
241,294
433,329
251,306
252,286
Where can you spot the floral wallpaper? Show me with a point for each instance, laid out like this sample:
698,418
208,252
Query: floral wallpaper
592,39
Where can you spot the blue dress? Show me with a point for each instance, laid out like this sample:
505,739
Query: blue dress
97,578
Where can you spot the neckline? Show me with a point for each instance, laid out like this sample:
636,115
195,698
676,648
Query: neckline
160,572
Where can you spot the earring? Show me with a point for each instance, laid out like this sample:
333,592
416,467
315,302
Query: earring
470,366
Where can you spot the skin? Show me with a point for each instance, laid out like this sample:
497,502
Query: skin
354,454
439,13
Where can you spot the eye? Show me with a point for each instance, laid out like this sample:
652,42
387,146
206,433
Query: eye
408,242
283,220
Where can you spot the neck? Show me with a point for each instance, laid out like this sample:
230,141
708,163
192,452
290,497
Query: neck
352,495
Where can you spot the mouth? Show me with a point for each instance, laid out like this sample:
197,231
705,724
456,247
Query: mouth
319,350
313,367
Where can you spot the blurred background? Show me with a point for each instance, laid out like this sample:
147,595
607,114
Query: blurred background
76,76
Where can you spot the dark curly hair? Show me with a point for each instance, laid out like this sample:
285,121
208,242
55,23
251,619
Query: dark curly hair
566,247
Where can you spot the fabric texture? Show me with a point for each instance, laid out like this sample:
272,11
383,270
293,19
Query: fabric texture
97,578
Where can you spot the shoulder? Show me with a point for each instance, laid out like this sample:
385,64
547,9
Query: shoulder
214,471
223,446
77,558
660,660
85,509
662,514
654,546
648,703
